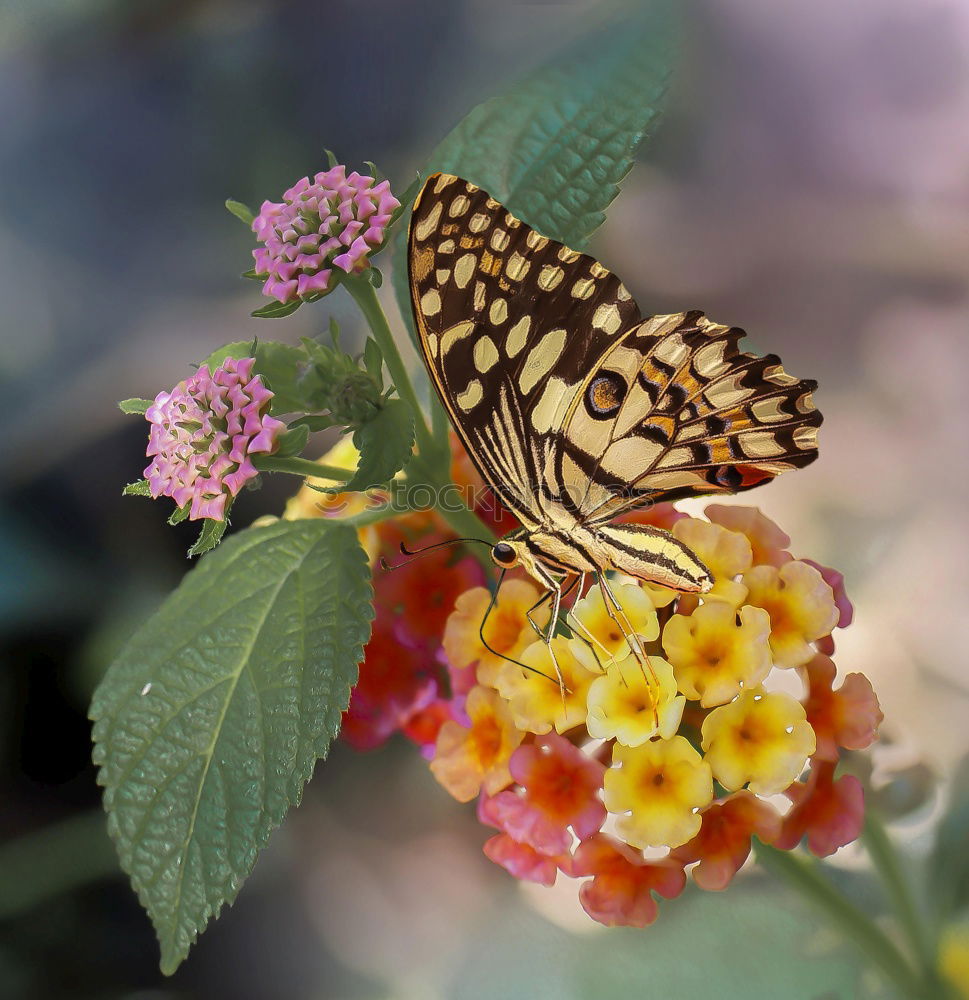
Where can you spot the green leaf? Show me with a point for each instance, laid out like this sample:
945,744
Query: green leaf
210,721
948,882
276,310
281,366
240,211
180,513
293,441
314,422
134,405
385,444
209,537
555,148
373,361
139,488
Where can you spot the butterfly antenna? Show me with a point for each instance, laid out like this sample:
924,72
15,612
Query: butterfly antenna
417,553
494,652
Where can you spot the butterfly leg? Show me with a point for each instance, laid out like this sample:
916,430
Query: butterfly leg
543,634
616,613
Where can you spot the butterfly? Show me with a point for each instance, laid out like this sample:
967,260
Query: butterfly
575,408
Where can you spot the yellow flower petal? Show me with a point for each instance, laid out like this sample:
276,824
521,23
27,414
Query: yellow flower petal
714,655
658,787
602,639
761,739
537,704
632,703
725,553
801,608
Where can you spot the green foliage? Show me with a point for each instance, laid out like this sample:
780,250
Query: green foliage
134,405
139,488
210,721
180,513
949,862
240,211
210,535
292,441
276,310
385,445
555,148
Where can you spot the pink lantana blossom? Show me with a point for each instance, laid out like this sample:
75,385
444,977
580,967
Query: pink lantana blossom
522,860
332,221
561,787
620,893
830,812
202,434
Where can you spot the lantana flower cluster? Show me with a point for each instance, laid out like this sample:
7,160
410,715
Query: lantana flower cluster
651,764
333,221
203,433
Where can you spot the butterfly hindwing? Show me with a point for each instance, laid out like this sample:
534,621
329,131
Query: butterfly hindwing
572,406
506,319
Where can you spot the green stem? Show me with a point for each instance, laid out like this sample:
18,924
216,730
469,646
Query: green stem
52,861
300,467
887,862
365,296
804,875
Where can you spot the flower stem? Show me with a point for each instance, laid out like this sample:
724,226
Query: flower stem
365,296
887,862
804,875
300,467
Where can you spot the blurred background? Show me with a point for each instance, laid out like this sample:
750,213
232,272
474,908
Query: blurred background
810,183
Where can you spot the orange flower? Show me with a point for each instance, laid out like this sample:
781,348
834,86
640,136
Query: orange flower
801,608
620,894
507,631
723,843
469,758
848,717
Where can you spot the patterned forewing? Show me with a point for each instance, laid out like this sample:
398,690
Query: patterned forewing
673,409
510,323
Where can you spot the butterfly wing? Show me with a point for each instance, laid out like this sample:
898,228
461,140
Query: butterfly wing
507,319
674,409
571,405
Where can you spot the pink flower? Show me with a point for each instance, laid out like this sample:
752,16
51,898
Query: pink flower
560,789
522,861
836,581
620,892
848,717
203,432
335,220
831,813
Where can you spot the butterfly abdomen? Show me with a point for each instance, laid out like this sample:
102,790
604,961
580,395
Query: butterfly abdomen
652,555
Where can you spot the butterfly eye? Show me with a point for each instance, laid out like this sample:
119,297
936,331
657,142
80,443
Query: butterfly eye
504,555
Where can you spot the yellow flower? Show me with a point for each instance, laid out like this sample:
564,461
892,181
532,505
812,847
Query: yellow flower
725,553
507,630
537,704
467,759
631,703
954,957
801,608
714,655
660,785
600,640
764,739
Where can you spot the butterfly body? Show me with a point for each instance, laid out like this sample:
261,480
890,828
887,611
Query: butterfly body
577,409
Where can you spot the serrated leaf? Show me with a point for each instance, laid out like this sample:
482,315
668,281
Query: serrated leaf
373,361
209,537
277,310
385,445
210,721
281,366
139,488
180,513
555,147
240,211
949,861
134,405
